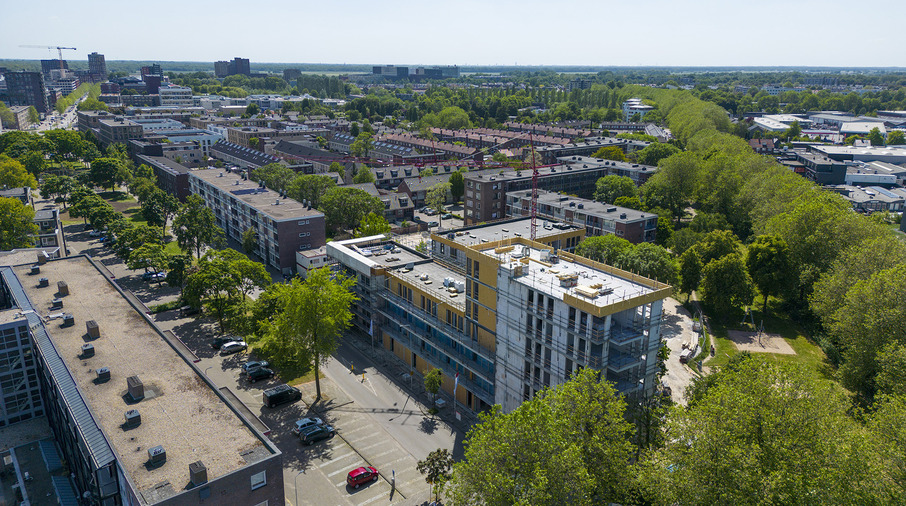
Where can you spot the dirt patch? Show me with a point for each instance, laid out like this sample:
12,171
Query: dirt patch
766,343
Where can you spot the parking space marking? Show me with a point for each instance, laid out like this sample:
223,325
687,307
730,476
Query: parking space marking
369,501
331,461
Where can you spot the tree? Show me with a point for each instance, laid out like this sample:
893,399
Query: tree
275,176
158,207
133,237
222,281
875,137
105,172
651,261
674,184
436,468
457,185
372,224
726,285
690,272
364,175
34,162
195,226
33,116
344,208
337,167
249,241
433,380
655,152
604,248
310,187
14,175
896,138
16,224
148,256
178,268
717,244
610,153
567,445
870,319
610,188
54,187
362,144
437,196
254,142
252,109
763,433
453,118
770,266
313,314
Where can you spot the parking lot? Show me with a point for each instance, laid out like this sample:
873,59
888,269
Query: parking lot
438,219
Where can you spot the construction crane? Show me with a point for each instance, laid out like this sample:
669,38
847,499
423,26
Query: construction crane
534,186
58,48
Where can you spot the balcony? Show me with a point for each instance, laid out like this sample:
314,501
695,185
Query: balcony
618,362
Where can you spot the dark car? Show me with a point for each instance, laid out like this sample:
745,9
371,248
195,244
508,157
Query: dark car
306,423
316,433
281,394
189,310
154,276
361,475
447,216
217,342
252,364
260,373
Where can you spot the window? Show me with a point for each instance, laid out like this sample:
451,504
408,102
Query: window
259,480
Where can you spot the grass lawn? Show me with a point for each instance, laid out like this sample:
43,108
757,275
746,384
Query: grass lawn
134,216
292,375
116,196
808,353
172,248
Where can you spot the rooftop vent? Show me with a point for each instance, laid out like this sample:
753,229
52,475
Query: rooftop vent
611,209
62,288
622,216
87,350
68,320
56,304
35,269
133,418
157,456
581,206
103,374
43,283
277,202
198,473
94,331
136,388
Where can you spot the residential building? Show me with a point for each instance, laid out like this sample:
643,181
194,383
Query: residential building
233,67
97,67
542,129
311,259
241,156
283,225
48,65
50,229
121,401
550,154
20,117
485,194
221,68
597,218
503,315
821,169
635,106
118,129
175,96
27,88
172,177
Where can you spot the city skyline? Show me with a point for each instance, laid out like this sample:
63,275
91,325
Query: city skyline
502,33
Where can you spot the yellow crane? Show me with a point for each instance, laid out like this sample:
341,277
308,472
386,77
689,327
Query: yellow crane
58,48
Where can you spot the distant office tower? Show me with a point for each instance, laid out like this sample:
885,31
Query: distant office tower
291,75
240,66
97,67
221,68
27,88
48,65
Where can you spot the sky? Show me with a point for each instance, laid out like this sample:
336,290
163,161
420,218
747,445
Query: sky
833,33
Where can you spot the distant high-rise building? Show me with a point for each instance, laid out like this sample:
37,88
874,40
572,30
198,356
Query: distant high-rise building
153,70
291,75
221,68
240,66
48,65
97,67
27,88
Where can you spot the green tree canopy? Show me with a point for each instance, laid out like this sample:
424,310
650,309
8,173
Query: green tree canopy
609,188
364,175
344,208
457,185
16,224
310,187
770,266
726,285
437,196
14,175
275,176
372,224
195,226
604,248
610,153
655,152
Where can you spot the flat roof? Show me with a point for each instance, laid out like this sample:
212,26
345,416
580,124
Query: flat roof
544,277
508,229
180,410
608,211
429,277
264,200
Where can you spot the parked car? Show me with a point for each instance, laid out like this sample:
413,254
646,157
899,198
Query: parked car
685,356
430,212
433,224
306,423
189,310
217,342
316,433
95,233
447,216
154,276
361,475
251,365
260,373
233,347
281,394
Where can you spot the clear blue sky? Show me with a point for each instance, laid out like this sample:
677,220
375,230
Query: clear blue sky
467,32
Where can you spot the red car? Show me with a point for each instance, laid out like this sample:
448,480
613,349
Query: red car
357,477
